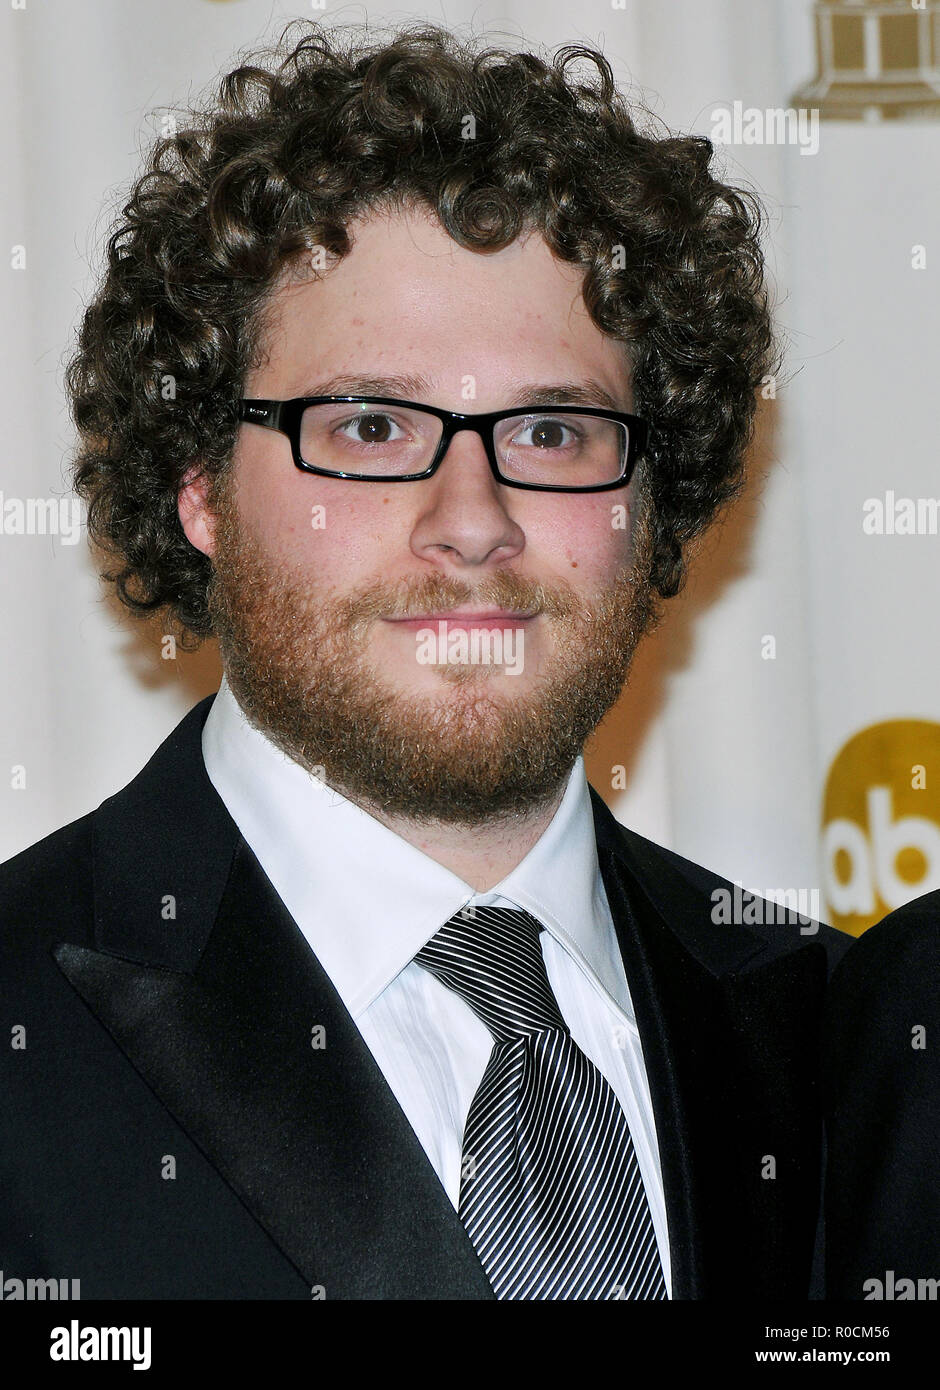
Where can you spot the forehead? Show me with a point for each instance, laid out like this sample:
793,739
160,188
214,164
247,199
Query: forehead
408,299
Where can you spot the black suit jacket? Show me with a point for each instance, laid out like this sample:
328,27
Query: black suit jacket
882,1102
168,1131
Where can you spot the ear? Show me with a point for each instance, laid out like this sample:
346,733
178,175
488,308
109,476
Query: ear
196,517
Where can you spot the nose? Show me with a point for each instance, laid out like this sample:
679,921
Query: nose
463,509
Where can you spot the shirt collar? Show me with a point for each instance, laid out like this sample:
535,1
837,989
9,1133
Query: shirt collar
366,899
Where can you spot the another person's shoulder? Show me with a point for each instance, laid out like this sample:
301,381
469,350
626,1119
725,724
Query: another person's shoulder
908,935
882,1013
893,964
882,1102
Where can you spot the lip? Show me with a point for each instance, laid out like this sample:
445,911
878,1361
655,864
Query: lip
494,618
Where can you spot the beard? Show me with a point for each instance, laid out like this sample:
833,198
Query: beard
469,753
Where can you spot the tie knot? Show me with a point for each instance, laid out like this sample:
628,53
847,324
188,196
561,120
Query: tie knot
492,958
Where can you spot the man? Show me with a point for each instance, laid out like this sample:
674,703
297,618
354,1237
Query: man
359,988
882,1105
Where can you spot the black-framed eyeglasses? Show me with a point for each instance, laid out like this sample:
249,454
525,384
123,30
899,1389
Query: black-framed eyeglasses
569,448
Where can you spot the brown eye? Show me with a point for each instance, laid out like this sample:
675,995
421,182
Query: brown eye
373,429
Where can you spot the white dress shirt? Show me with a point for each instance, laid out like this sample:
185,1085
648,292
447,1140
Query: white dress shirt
367,901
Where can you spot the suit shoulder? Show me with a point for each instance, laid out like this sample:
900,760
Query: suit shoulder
883,994
46,889
897,956
835,943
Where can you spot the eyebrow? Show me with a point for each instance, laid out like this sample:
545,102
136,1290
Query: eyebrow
417,388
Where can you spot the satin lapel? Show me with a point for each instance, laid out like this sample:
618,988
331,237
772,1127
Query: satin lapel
216,1008
732,1074
258,1060
657,978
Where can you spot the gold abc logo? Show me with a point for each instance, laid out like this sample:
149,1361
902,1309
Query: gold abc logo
881,822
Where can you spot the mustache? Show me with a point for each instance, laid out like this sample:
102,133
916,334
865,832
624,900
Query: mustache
438,593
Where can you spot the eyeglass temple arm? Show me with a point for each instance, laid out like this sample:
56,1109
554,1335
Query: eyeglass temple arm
267,413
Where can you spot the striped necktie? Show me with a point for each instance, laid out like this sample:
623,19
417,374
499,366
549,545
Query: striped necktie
550,1194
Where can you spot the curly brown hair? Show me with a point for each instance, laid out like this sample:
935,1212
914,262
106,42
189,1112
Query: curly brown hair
290,153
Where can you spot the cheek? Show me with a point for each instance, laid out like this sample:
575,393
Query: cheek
586,540
355,529
303,518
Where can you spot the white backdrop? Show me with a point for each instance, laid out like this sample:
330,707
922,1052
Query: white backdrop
727,752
